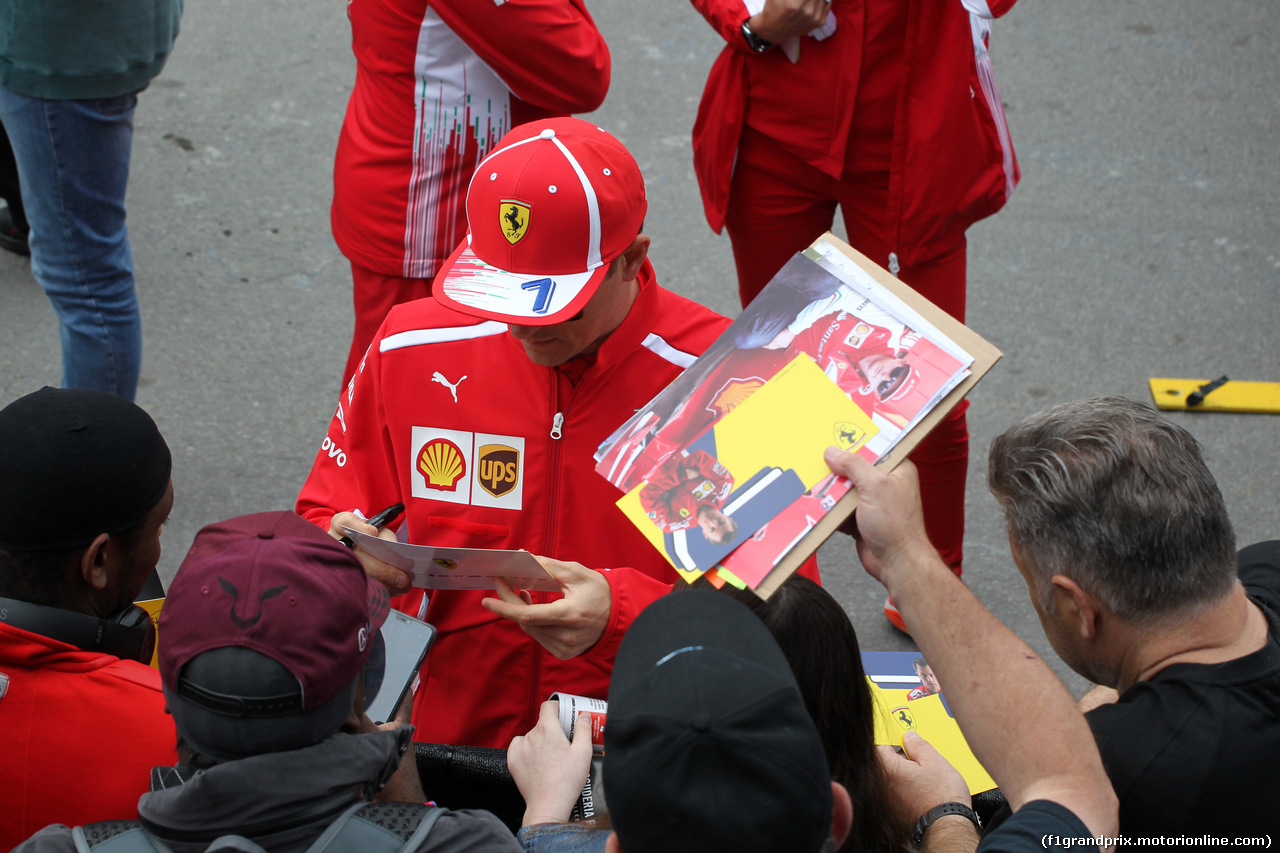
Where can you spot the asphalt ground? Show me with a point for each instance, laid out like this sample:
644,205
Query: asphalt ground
1141,242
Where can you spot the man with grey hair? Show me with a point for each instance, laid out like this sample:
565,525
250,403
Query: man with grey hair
1123,539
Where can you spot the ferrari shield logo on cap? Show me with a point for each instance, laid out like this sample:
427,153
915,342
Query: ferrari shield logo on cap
513,218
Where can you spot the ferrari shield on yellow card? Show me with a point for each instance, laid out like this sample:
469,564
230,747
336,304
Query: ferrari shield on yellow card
514,218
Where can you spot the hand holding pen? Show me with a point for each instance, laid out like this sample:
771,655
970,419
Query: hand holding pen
378,522
396,580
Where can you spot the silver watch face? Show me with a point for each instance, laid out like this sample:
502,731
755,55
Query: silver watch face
754,41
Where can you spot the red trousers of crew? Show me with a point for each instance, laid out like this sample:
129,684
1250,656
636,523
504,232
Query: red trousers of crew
778,205
372,295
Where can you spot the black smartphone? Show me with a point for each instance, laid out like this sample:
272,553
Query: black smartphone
398,651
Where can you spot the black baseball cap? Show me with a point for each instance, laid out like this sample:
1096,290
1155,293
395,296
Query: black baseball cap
708,744
75,463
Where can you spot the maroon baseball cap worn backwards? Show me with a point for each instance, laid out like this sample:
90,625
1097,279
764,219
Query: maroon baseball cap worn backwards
262,635
555,203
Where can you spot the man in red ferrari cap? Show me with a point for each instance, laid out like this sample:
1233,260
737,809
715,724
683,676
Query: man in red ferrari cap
480,407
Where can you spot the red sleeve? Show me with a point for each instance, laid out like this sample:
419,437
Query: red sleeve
726,17
355,466
710,468
548,52
630,592
988,8
655,496
1000,7
663,478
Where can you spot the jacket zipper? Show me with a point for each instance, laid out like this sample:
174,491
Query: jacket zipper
557,431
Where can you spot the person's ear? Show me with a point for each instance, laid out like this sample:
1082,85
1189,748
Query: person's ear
633,257
94,562
612,845
841,813
1075,607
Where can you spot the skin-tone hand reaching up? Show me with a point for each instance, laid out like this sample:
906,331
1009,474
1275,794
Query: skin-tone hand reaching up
548,769
566,627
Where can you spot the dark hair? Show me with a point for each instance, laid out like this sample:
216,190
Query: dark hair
819,642
920,663
1117,498
42,577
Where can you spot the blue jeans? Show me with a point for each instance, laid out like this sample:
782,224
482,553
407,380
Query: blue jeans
73,163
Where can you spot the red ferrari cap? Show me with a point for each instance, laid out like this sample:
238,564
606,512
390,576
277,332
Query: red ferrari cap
548,210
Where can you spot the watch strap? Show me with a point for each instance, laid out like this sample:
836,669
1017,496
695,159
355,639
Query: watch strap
927,819
754,41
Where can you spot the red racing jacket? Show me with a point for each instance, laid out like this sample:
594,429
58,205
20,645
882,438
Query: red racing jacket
438,82
81,732
952,162
489,450
671,498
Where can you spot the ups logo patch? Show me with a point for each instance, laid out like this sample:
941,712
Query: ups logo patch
498,469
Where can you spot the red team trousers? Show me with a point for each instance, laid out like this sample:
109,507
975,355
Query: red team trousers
778,205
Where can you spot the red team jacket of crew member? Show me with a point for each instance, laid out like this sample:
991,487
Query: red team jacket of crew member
951,159
508,464
438,82
81,732
671,497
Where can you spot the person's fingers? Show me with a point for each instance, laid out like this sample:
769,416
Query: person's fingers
562,573
508,605
918,749
395,580
582,746
582,728
848,464
891,760
549,711
506,593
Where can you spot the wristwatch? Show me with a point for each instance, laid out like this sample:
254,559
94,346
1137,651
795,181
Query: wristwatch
754,41
917,834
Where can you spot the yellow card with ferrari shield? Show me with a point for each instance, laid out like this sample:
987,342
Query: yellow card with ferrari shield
706,498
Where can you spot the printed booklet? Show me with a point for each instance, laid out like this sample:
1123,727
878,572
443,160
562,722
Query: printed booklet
723,470
905,696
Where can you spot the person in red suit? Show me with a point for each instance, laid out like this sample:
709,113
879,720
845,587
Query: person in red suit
888,108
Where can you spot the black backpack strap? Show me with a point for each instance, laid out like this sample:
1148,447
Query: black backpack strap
362,828
116,836
378,828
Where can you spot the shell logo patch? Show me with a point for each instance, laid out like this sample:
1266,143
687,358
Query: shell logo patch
498,469
903,716
513,218
858,336
443,464
731,395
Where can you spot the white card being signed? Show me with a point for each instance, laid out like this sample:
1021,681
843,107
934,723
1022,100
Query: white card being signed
458,568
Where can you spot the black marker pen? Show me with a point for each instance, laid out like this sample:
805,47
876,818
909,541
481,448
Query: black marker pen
379,521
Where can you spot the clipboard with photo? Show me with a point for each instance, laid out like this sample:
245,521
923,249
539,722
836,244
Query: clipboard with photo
898,359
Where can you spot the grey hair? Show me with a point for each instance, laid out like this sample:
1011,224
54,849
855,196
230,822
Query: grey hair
1110,494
